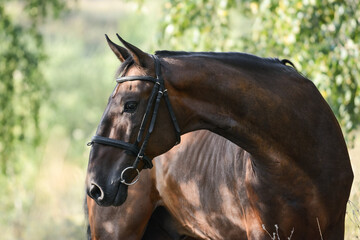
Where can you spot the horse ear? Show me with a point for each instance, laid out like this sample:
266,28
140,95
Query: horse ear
140,58
121,53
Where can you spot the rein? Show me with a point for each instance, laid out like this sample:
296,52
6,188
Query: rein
158,92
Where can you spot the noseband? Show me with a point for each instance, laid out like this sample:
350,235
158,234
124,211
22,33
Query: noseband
158,92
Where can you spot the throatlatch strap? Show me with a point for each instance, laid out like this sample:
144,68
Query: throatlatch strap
167,101
173,118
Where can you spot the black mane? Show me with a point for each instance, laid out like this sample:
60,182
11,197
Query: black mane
166,53
227,56
124,66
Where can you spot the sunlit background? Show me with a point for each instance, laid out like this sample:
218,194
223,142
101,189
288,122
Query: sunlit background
44,156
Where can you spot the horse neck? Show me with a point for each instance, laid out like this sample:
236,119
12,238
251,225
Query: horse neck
268,109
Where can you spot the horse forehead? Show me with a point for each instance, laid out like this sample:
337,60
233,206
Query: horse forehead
130,88
135,70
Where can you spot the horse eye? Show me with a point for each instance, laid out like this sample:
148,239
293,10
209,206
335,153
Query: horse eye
130,107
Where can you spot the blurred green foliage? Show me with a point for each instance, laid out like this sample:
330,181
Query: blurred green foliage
22,86
55,77
196,25
322,38
22,91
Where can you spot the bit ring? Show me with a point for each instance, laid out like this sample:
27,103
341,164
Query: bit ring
123,181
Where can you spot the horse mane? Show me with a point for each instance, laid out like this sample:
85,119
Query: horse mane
166,53
226,56
285,61
124,66
229,57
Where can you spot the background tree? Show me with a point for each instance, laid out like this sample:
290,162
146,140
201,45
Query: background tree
322,38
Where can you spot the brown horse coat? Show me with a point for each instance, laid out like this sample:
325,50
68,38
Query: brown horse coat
297,174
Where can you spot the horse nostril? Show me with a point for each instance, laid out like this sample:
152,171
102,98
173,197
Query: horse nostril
96,192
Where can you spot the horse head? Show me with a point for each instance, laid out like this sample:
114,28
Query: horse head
137,125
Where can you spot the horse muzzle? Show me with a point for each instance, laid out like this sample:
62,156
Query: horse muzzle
113,195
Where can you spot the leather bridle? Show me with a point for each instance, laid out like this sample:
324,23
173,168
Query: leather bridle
158,92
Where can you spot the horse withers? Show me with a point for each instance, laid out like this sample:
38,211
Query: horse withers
301,173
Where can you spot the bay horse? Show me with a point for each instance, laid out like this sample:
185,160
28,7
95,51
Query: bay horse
300,173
